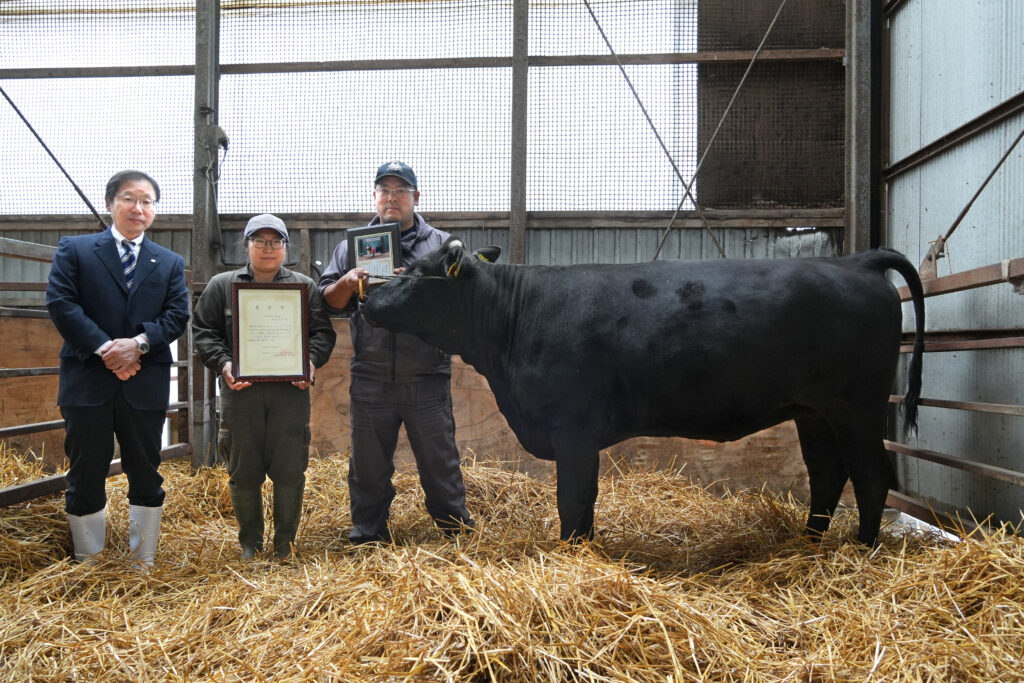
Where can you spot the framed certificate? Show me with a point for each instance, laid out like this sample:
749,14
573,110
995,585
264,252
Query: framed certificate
270,332
378,248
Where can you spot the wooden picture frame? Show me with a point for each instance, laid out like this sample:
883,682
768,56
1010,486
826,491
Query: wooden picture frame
377,248
270,332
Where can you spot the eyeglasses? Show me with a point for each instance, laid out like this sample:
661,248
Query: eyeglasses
144,202
396,192
261,243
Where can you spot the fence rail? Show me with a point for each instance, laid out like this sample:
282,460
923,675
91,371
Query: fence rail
1010,271
19,493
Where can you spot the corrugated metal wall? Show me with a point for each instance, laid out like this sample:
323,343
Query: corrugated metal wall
952,61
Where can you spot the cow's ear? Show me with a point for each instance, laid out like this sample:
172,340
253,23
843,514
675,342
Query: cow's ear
454,255
489,254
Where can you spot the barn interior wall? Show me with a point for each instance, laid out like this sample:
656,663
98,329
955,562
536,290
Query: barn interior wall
544,246
936,48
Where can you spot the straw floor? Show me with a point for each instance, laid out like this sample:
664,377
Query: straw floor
682,585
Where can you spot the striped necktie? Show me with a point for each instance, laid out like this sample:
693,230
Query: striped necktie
128,261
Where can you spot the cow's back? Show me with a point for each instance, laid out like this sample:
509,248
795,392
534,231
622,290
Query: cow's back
708,349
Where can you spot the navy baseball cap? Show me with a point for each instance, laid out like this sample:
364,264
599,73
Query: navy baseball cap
398,170
265,220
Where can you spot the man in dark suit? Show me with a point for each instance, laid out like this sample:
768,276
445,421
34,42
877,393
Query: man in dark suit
119,300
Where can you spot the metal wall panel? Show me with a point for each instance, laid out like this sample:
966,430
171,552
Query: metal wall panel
22,270
563,247
952,61
990,376
924,203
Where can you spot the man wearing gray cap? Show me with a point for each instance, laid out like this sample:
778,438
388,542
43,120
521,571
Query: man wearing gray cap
267,422
396,379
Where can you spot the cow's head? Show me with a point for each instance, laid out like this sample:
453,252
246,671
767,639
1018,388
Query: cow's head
426,299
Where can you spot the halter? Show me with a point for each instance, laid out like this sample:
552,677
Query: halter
362,292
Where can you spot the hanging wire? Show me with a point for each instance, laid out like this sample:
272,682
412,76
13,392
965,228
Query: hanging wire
81,194
688,185
721,120
668,155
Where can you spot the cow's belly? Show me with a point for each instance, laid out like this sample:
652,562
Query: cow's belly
711,427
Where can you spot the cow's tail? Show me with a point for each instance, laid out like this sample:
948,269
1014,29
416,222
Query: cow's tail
891,258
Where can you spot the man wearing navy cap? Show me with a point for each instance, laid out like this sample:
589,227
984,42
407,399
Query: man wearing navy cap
396,379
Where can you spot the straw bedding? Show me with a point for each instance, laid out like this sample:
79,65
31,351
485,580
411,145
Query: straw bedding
681,585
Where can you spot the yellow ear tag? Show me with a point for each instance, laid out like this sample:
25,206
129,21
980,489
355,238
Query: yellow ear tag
483,258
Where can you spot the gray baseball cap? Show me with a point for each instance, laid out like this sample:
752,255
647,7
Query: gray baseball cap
265,220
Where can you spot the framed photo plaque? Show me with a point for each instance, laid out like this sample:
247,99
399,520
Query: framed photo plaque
378,248
270,335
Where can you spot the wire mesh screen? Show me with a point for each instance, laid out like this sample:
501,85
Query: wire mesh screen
95,126
262,32
567,27
782,143
96,33
590,147
312,142
741,24
315,95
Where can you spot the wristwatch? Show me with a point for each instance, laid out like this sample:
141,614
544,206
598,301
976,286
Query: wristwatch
143,347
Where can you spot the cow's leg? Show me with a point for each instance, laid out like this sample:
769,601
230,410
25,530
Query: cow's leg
826,471
873,475
869,468
576,465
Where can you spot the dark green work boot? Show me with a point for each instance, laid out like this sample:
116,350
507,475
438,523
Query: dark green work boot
248,505
287,511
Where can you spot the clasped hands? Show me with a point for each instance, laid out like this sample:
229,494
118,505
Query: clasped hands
122,357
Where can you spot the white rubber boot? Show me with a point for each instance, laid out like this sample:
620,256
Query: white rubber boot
143,534
88,534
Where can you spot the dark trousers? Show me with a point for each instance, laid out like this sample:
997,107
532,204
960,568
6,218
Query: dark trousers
89,444
378,410
267,426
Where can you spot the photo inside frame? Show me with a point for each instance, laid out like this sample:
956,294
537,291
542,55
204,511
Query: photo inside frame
373,252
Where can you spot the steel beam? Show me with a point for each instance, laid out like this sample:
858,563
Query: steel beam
863,125
204,206
520,127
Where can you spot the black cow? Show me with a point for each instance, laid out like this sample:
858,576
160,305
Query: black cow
582,357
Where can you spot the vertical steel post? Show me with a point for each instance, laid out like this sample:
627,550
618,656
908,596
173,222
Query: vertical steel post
863,125
517,179
202,436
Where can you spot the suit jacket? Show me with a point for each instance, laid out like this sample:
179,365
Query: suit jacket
89,304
